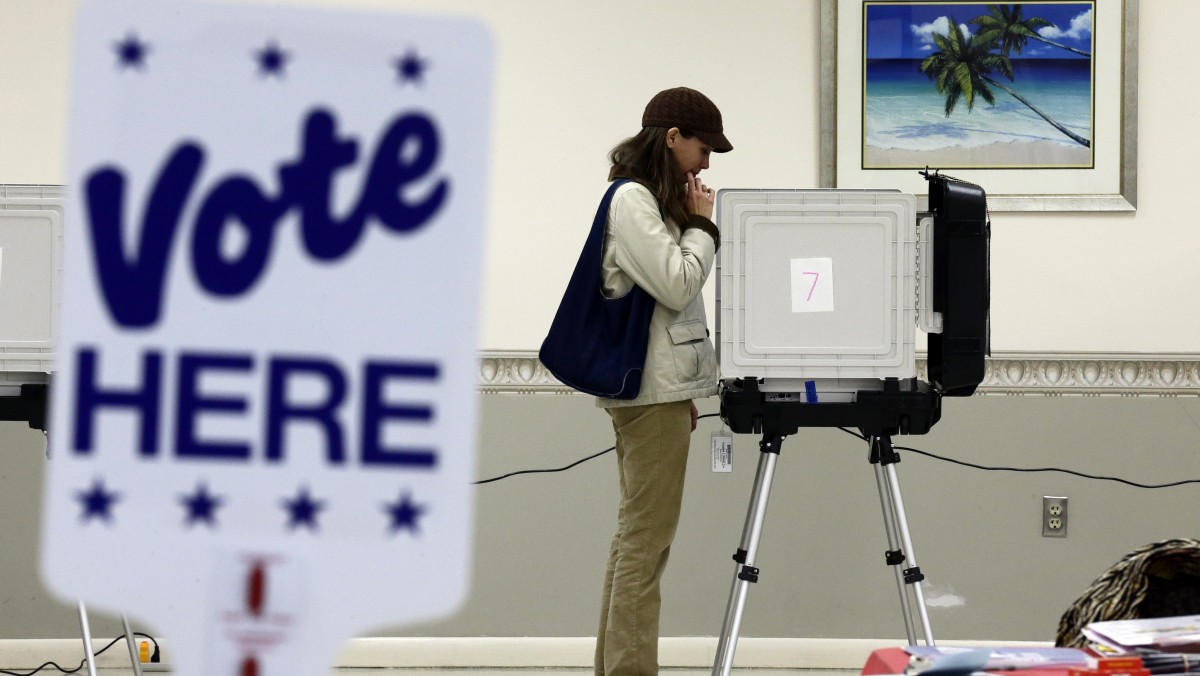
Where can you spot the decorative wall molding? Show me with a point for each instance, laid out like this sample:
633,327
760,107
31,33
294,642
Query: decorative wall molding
1052,374
1092,375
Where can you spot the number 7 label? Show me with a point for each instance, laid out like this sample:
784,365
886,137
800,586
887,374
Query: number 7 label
812,285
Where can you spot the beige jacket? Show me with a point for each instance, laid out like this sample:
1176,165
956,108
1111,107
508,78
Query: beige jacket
670,264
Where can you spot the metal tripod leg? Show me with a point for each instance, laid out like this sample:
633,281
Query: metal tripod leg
132,643
894,555
86,629
895,520
747,552
89,654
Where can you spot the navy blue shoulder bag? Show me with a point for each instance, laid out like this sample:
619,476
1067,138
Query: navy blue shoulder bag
596,344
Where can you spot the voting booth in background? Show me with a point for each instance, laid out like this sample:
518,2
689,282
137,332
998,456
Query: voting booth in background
31,219
820,295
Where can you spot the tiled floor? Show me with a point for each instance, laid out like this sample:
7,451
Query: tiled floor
584,672
535,672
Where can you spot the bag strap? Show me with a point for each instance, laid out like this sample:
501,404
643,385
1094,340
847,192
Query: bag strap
594,247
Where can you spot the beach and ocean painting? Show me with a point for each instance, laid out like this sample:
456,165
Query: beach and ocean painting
978,85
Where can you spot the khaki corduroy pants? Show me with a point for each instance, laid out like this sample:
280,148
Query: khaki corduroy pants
652,449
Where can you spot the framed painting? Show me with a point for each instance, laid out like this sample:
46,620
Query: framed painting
1034,101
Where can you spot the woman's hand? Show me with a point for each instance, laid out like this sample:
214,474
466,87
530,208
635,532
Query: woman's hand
699,197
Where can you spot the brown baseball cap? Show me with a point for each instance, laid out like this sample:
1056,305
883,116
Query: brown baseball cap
689,110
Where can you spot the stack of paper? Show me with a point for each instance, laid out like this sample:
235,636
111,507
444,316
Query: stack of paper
933,660
1174,634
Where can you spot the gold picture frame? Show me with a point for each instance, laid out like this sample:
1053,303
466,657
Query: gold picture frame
1109,185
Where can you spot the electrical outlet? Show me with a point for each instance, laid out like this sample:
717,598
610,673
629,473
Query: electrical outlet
1054,517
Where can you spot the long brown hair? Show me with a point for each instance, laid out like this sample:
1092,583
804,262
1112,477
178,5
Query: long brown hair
646,159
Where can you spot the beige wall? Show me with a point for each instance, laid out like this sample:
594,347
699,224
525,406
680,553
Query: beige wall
571,80
542,539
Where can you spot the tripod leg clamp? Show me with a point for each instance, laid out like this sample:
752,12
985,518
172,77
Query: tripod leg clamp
749,574
912,575
894,557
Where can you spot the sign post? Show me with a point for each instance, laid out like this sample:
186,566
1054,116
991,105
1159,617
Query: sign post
264,406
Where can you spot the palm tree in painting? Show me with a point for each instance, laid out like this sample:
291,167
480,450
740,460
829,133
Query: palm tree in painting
1006,25
962,69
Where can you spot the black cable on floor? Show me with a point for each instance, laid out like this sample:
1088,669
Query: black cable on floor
563,469
82,662
899,448
1072,472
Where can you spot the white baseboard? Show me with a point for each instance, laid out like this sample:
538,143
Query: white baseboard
577,652
514,652
27,654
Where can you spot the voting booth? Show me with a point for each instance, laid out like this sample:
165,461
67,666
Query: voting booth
820,285
31,219
820,296
829,287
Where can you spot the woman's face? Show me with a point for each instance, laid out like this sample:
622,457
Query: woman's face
691,154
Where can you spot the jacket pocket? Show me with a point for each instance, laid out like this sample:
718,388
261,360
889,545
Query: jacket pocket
689,348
